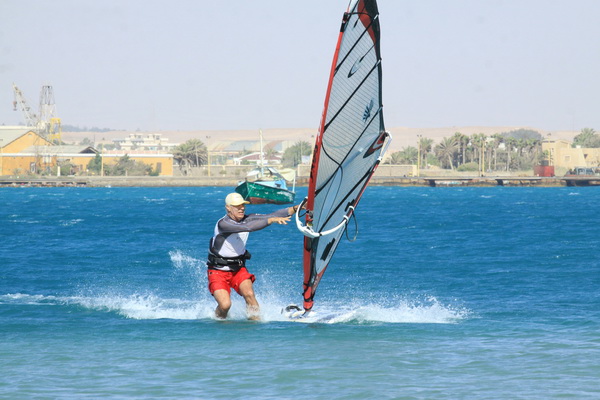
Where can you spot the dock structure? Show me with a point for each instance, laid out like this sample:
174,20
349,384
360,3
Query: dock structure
582,180
491,181
450,181
427,181
43,182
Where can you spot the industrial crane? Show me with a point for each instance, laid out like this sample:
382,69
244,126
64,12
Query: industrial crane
46,124
31,119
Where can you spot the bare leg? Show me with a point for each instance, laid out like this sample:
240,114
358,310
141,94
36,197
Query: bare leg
223,303
252,307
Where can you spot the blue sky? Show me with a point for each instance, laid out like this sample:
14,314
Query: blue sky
238,64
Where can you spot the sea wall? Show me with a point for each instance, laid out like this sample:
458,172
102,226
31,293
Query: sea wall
157,181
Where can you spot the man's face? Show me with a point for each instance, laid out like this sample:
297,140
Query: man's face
236,213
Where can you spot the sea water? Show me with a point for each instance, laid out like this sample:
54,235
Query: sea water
446,293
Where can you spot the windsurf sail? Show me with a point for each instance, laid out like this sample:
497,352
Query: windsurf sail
350,144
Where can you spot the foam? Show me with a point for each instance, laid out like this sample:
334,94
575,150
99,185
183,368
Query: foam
364,312
273,295
150,306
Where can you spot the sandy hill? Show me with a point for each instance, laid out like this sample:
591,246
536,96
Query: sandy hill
402,136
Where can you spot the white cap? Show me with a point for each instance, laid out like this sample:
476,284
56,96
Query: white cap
235,199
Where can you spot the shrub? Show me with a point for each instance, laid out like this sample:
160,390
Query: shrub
468,167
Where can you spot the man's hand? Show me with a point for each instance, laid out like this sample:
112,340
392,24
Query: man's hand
279,220
292,210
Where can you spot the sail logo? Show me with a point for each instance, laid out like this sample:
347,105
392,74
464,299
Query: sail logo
368,109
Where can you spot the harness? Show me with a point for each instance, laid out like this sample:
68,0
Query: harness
235,263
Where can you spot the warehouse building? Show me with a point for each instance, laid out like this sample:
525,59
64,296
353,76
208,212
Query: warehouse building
23,151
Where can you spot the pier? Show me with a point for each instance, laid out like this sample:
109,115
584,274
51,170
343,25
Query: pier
481,181
426,181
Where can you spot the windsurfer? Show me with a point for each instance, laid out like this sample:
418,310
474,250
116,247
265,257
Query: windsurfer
227,253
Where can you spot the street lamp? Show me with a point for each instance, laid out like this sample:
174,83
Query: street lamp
101,154
208,155
419,155
483,158
1,158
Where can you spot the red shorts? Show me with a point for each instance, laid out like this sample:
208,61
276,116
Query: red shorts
226,279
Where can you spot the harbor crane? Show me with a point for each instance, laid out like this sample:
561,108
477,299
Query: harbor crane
46,123
21,103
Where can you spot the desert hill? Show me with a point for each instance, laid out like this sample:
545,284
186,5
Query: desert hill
402,136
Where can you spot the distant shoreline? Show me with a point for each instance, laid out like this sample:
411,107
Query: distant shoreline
402,136
428,181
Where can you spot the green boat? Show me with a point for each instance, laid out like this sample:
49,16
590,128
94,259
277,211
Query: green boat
266,185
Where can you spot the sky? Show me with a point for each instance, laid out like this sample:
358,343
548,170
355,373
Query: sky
239,64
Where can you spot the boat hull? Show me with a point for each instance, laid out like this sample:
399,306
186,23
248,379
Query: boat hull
256,193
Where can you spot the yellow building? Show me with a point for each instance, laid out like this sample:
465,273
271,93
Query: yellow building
163,163
22,151
13,142
562,154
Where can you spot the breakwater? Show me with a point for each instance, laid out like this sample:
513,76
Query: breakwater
430,181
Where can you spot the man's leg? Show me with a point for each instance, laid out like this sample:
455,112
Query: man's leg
223,303
247,292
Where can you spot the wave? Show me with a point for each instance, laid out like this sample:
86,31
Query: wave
187,298
151,306
135,306
181,260
363,312
71,222
158,201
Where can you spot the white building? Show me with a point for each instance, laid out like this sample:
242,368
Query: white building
137,141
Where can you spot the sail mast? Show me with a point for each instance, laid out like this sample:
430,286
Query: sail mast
262,160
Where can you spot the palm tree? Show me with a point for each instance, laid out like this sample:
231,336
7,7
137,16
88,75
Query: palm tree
393,159
199,151
269,153
534,147
521,148
426,145
586,138
292,156
446,150
462,142
179,155
478,141
498,139
510,144
192,153
408,155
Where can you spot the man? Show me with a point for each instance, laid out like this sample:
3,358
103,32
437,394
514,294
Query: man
227,253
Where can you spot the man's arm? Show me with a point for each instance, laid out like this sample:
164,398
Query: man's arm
256,222
284,215
250,223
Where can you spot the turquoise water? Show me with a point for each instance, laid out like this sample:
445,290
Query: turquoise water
448,293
